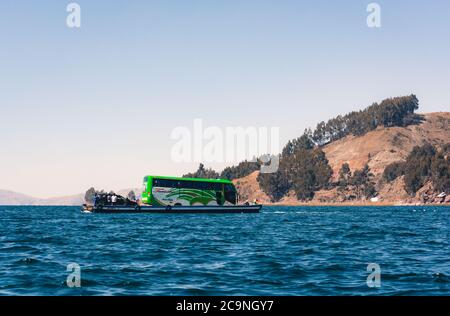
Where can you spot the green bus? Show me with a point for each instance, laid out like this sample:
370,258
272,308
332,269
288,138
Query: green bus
175,191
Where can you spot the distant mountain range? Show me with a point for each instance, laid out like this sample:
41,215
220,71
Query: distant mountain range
15,198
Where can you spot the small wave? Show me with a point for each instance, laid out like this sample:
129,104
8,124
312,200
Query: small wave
440,277
18,248
189,289
300,242
85,282
132,270
28,260
210,266
128,283
407,234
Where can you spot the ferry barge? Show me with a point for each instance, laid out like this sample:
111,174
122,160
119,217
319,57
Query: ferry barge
175,209
162,194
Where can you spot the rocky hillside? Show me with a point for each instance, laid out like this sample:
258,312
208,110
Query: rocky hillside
378,149
383,146
249,189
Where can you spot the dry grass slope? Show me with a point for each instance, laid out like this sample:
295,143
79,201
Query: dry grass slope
377,148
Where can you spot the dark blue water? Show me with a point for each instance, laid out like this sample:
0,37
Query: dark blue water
281,251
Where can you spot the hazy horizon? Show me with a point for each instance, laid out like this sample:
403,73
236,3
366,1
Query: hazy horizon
95,106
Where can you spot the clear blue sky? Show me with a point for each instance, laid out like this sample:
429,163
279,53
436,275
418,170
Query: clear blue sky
96,105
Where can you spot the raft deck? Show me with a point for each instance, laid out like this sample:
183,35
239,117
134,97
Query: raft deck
172,209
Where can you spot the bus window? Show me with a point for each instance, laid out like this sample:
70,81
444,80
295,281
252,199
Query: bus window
187,185
203,185
230,193
184,184
195,185
165,183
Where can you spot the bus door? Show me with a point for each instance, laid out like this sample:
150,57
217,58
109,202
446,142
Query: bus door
218,187
230,194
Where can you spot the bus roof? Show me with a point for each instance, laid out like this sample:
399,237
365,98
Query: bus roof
189,179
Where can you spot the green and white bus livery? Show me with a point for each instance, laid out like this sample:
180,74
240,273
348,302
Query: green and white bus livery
175,191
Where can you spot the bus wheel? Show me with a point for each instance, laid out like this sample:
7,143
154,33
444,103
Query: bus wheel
177,204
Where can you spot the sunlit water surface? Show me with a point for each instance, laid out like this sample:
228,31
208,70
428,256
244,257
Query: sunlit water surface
280,251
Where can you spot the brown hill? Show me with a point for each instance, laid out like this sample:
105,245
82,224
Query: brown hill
249,189
378,149
383,146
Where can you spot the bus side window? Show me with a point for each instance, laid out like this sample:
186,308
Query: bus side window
186,184
165,183
190,185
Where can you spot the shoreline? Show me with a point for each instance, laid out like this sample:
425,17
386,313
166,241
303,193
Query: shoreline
313,204
356,204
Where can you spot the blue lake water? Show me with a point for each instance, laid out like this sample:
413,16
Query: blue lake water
281,251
